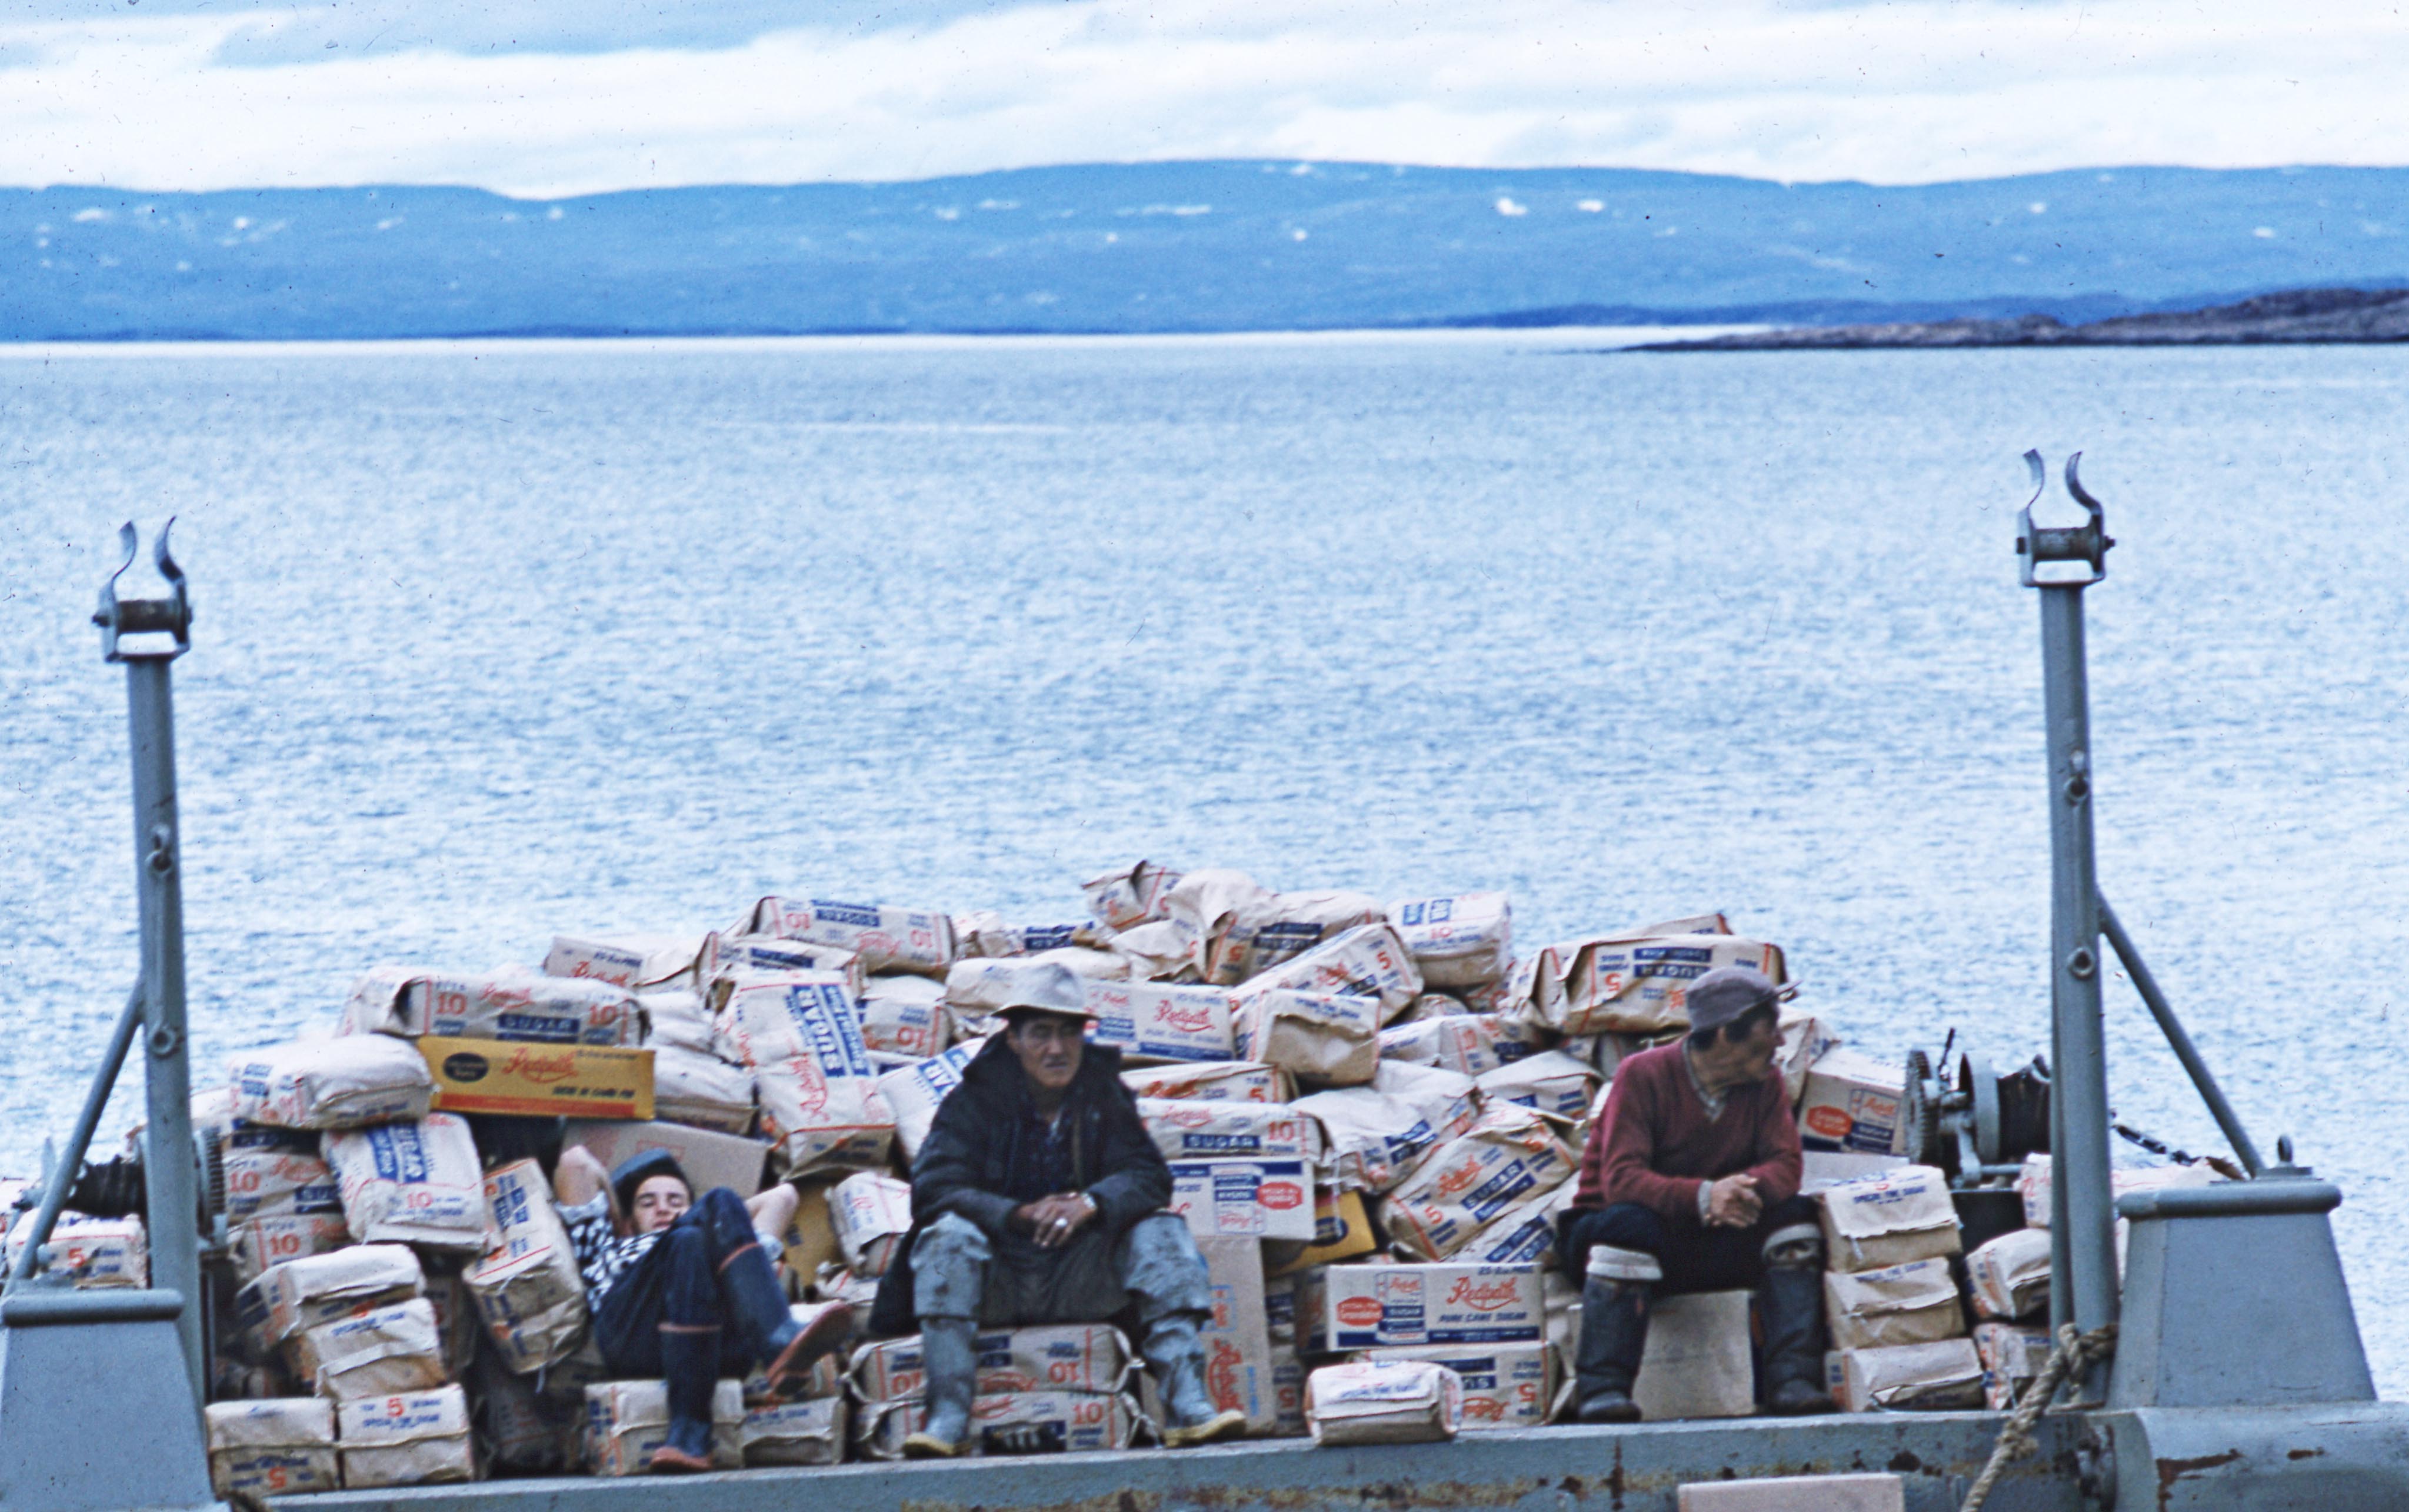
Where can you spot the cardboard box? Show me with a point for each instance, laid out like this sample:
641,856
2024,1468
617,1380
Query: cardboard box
1912,1303
1368,961
282,1447
2013,1356
1631,983
639,962
1089,1358
1061,1421
1805,1040
794,1432
710,1159
1288,1393
1191,1131
1383,1402
1323,1039
516,1006
1697,1362
1509,1158
1342,1229
1889,1219
2010,1275
886,938
1376,1306
1505,1385
1249,1199
1211,1081
627,1421
416,1438
1156,1021
1851,1102
1911,1377
1461,941
1237,1337
539,1081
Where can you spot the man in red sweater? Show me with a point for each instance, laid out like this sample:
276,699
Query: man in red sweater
1691,1184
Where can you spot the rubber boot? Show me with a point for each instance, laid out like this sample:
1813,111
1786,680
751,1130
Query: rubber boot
949,1358
1176,1353
690,1370
784,1343
1614,1335
1789,1300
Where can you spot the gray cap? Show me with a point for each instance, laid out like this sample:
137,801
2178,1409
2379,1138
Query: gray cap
1727,992
1052,987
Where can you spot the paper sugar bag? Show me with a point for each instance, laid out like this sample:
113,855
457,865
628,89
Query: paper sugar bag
413,1439
2009,1274
762,1020
343,1082
1912,1378
380,1352
1185,1130
1467,941
260,1243
1285,925
913,1095
1157,952
1215,1081
1155,1021
639,962
2013,1354
732,958
1472,1044
271,1171
1204,907
1548,1082
1510,1157
100,1253
1447,1100
886,939
1383,1402
1369,962
298,1293
1629,983
1086,1358
1131,896
1076,1423
676,1020
902,1015
1912,1303
411,1183
282,1447
627,1421
526,1287
870,1214
702,1091
1805,1040
983,933
1368,1139
794,1432
517,1005
1889,1219
1322,1038
813,1075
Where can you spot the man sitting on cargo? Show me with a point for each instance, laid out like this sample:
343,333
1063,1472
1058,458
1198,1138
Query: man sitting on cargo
1691,1184
666,1275
1037,1198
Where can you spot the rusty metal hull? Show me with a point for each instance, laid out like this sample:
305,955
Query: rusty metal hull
1631,1469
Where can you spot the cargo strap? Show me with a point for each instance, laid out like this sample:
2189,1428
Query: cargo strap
2073,1357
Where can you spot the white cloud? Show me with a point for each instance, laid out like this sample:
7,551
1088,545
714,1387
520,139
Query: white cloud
1902,93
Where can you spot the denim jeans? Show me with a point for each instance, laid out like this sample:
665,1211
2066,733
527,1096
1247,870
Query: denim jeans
1695,1258
959,1272
678,1282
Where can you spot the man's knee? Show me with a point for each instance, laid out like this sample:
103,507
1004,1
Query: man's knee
1794,1235
1161,1265
949,1261
1626,1226
952,1237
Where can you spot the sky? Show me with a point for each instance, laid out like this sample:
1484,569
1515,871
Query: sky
545,99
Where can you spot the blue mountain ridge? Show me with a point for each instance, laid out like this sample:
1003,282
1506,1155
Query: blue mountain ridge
1204,246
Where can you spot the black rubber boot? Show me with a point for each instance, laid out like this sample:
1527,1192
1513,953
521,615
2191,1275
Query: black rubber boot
949,1358
690,1370
1789,1300
1614,1335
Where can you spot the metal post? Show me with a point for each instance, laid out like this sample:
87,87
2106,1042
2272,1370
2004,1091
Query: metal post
2083,1235
168,1155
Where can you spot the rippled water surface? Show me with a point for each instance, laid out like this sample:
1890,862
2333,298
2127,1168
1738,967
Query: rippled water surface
500,639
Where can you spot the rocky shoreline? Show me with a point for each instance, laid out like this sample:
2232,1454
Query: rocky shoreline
2296,315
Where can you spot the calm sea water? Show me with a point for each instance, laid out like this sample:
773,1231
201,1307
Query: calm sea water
499,640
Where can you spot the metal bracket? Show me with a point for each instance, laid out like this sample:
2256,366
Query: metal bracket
2087,542
172,615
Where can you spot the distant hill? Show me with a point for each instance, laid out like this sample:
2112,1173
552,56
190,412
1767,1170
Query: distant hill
1184,247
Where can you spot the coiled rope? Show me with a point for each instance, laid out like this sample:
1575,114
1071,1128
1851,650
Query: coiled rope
2073,1355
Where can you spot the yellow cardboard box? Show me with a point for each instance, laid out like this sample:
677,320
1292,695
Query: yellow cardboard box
539,1081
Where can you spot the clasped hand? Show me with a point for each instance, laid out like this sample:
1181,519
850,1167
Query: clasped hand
1733,1202
1052,1221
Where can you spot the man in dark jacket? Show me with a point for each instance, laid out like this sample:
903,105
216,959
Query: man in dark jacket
1037,1198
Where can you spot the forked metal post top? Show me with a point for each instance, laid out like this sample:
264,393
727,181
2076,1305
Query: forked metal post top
2087,542
172,615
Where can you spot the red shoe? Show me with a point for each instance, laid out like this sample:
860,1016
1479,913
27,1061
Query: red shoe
815,1336
668,1459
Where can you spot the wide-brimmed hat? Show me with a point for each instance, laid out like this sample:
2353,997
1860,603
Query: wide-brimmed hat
1727,992
1049,987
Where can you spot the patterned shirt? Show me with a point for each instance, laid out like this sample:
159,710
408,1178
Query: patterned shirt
602,1256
